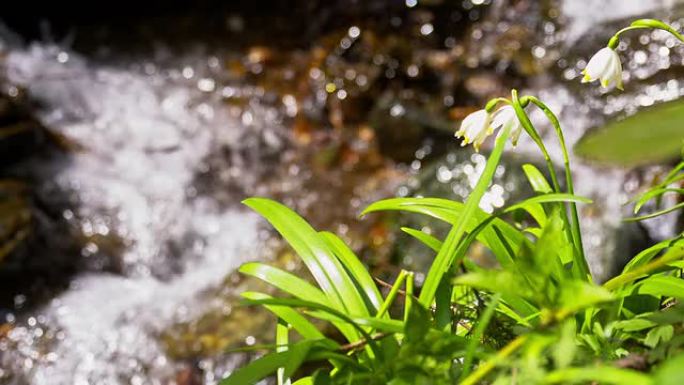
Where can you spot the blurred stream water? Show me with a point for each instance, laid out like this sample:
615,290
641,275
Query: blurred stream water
148,127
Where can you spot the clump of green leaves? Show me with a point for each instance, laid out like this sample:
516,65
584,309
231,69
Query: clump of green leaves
537,318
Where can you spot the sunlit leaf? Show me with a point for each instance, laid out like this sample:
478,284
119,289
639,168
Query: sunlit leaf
356,269
285,281
603,375
537,179
660,285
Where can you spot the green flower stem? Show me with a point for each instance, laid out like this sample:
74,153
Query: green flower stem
408,300
487,367
576,233
492,103
519,106
644,24
447,253
282,339
392,295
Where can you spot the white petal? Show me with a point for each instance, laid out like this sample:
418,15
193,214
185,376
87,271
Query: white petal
506,117
503,116
606,67
515,134
473,126
598,64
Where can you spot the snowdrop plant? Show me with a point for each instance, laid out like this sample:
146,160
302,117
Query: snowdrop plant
538,317
605,65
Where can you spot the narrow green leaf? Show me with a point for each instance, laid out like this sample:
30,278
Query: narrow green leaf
376,324
282,339
634,324
285,281
650,194
257,370
647,255
290,359
536,178
356,269
427,239
292,302
576,295
324,266
603,375
661,286
548,198
289,315
497,281
658,334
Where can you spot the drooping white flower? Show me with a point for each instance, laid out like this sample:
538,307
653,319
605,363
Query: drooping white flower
475,128
506,117
605,66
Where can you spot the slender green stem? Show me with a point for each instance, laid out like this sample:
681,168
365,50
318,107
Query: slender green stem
576,232
487,367
392,295
519,106
492,103
447,253
532,132
615,40
408,300
655,214
282,340
644,24
657,24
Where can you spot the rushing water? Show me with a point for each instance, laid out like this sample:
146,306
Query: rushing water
147,129
145,136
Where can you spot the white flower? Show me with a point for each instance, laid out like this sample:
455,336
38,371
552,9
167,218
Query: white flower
475,128
604,65
506,117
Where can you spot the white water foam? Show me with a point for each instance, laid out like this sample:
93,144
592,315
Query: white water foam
144,135
586,14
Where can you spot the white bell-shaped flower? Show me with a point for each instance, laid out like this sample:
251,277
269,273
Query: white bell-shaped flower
475,128
506,117
606,67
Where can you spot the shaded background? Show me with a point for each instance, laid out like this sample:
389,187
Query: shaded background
129,133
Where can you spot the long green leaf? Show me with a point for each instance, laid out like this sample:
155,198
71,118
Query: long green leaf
547,198
523,308
451,212
290,360
289,315
427,239
647,255
282,340
603,375
292,302
285,281
662,286
324,266
356,269
536,179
